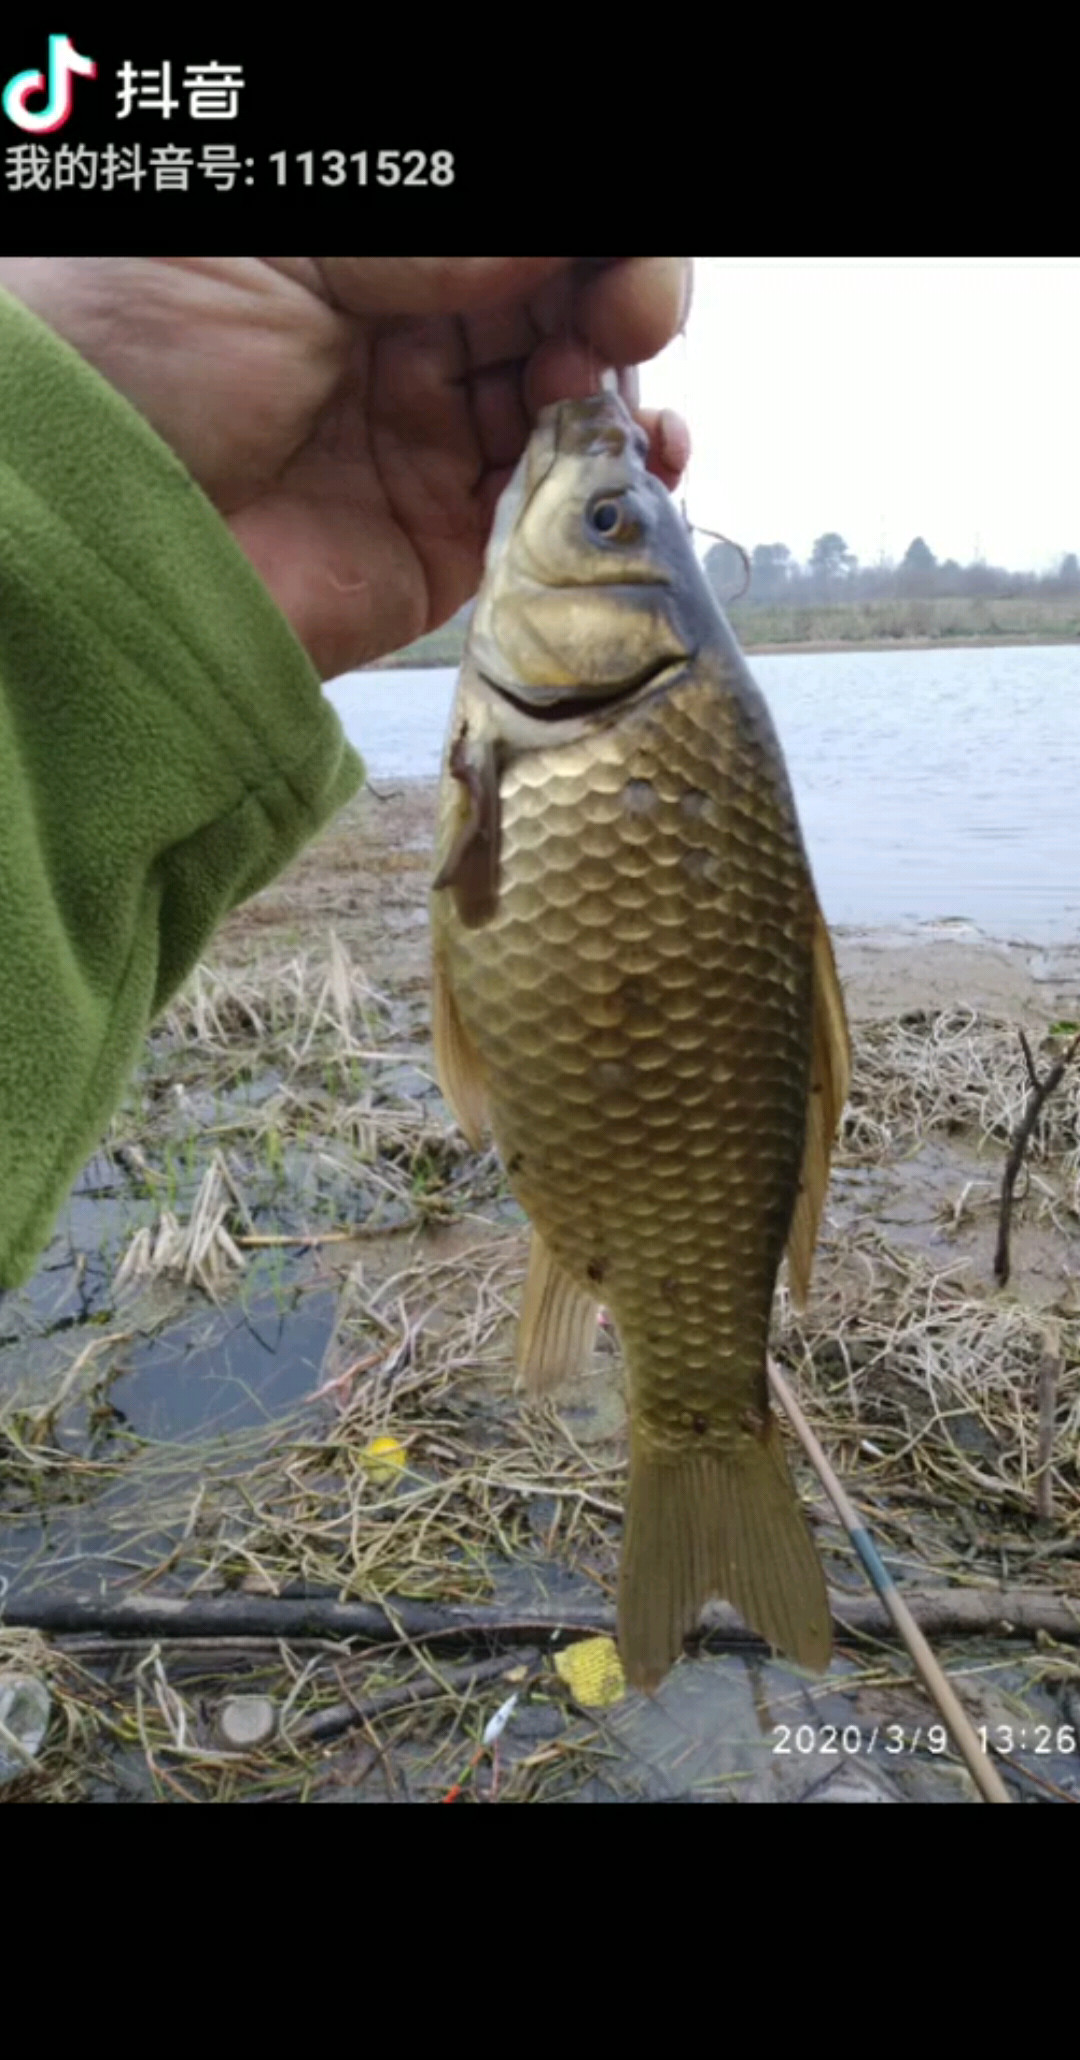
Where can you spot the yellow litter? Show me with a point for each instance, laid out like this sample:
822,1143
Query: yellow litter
593,1673
384,1459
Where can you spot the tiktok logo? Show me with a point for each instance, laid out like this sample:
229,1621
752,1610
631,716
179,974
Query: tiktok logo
65,65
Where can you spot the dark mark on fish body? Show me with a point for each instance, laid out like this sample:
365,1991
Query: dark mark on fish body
639,797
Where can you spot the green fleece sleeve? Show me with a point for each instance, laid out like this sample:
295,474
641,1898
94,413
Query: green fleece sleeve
165,748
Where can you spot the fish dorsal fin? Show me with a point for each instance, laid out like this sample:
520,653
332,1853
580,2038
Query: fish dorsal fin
456,1063
830,1078
558,1323
471,866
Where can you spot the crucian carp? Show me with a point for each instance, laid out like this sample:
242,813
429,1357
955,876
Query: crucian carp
635,991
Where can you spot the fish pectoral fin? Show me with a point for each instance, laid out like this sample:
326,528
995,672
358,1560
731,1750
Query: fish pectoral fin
457,1066
557,1330
830,1079
471,866
718,1525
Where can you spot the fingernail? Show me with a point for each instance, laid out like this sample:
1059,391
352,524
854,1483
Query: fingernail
688,291
674,440
630,386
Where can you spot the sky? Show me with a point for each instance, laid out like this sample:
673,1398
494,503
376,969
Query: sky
886,399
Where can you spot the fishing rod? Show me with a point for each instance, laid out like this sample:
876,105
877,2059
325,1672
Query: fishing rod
981,1768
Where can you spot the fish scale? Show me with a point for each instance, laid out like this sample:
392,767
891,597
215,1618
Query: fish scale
630,994
620,996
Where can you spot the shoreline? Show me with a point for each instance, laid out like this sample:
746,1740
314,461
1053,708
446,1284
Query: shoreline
367,877
398,661
973,643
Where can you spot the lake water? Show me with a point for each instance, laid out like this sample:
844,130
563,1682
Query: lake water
931,784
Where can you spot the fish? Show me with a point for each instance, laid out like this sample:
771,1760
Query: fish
634,991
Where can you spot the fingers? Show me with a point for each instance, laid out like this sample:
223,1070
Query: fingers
616,312
630,388
564,371
520,333
431,285
621,310
669,444
496,345
629,310
605,312
560,369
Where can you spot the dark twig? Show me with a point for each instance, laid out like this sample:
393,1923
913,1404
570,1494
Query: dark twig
942,1611
344,1716
1050,1370
1041,1088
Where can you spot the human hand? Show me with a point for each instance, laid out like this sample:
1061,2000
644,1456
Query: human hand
355,419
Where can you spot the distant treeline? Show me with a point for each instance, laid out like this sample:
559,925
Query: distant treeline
834,599
771,577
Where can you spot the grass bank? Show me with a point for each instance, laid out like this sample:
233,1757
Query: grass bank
886,625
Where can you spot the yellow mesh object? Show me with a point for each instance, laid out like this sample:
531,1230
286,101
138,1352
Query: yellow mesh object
384,1459
593,1673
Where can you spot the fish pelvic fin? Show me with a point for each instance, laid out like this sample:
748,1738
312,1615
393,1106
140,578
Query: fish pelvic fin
725,1525
558,1323
830,1079
457,1066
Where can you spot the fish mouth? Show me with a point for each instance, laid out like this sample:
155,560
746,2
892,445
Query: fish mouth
550,704
599,423
596,423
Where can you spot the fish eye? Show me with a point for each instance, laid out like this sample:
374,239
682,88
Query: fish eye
613,518
605,517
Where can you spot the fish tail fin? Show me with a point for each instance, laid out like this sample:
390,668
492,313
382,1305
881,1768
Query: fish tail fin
718,1525
558,1323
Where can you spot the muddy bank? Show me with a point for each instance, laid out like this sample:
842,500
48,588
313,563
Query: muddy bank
368,878
269,1357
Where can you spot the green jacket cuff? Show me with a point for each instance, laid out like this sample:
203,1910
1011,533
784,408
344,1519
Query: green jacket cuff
165,748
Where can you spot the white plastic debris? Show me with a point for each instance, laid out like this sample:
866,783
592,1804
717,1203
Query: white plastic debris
25,1707
498,1723
246,1721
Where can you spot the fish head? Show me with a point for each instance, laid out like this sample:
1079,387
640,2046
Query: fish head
591,588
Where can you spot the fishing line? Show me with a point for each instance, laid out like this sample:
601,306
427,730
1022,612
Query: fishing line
700,528
684,366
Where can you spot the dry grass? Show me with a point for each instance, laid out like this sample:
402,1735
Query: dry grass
958,1071
962,1076
916,1383
941,618
920,1384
